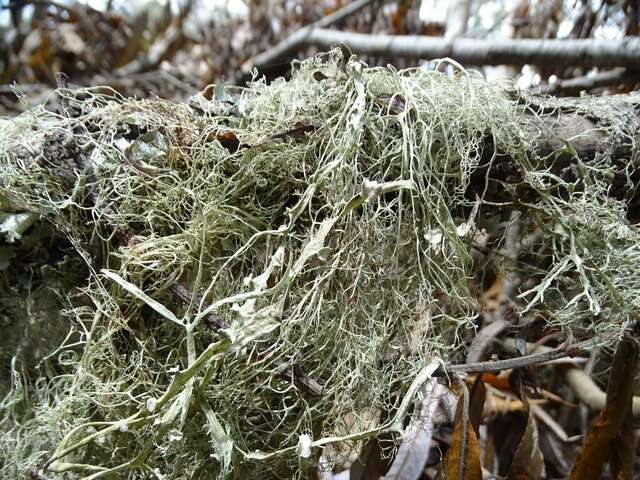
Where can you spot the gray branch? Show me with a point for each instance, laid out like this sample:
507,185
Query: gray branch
471,51
468,51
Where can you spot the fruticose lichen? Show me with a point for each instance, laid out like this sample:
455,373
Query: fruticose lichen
330,246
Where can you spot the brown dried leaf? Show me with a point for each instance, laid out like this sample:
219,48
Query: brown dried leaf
500,381
527,463
228,140
497,406
462,460
623,449
493,295
608,440
477,398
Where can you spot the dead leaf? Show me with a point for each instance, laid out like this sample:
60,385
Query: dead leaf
462,460
228,140
398,19
527,463
477,398
500,381
318,76
623,449
499,406
609,438
493,295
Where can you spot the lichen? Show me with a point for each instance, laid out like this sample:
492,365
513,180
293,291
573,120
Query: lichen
325,220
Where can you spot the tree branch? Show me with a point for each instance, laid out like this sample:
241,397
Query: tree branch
469,51
582,385
472,51
532,359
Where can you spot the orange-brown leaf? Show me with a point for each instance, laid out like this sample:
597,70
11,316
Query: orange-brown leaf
501,382
477,398
462,461
623,451
493,295
528,462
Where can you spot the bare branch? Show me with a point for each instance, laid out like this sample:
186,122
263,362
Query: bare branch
549,52
533,359
582,385
472,51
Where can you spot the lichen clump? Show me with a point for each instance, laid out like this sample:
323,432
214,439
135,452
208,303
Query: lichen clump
254,271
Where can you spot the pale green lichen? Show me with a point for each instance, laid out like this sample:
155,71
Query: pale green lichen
335,241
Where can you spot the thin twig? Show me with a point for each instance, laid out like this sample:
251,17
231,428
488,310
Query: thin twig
583,386
525,361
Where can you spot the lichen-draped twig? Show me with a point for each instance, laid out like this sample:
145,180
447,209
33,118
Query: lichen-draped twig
359,271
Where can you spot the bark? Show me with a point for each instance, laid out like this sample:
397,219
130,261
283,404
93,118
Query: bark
586,125
552,124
